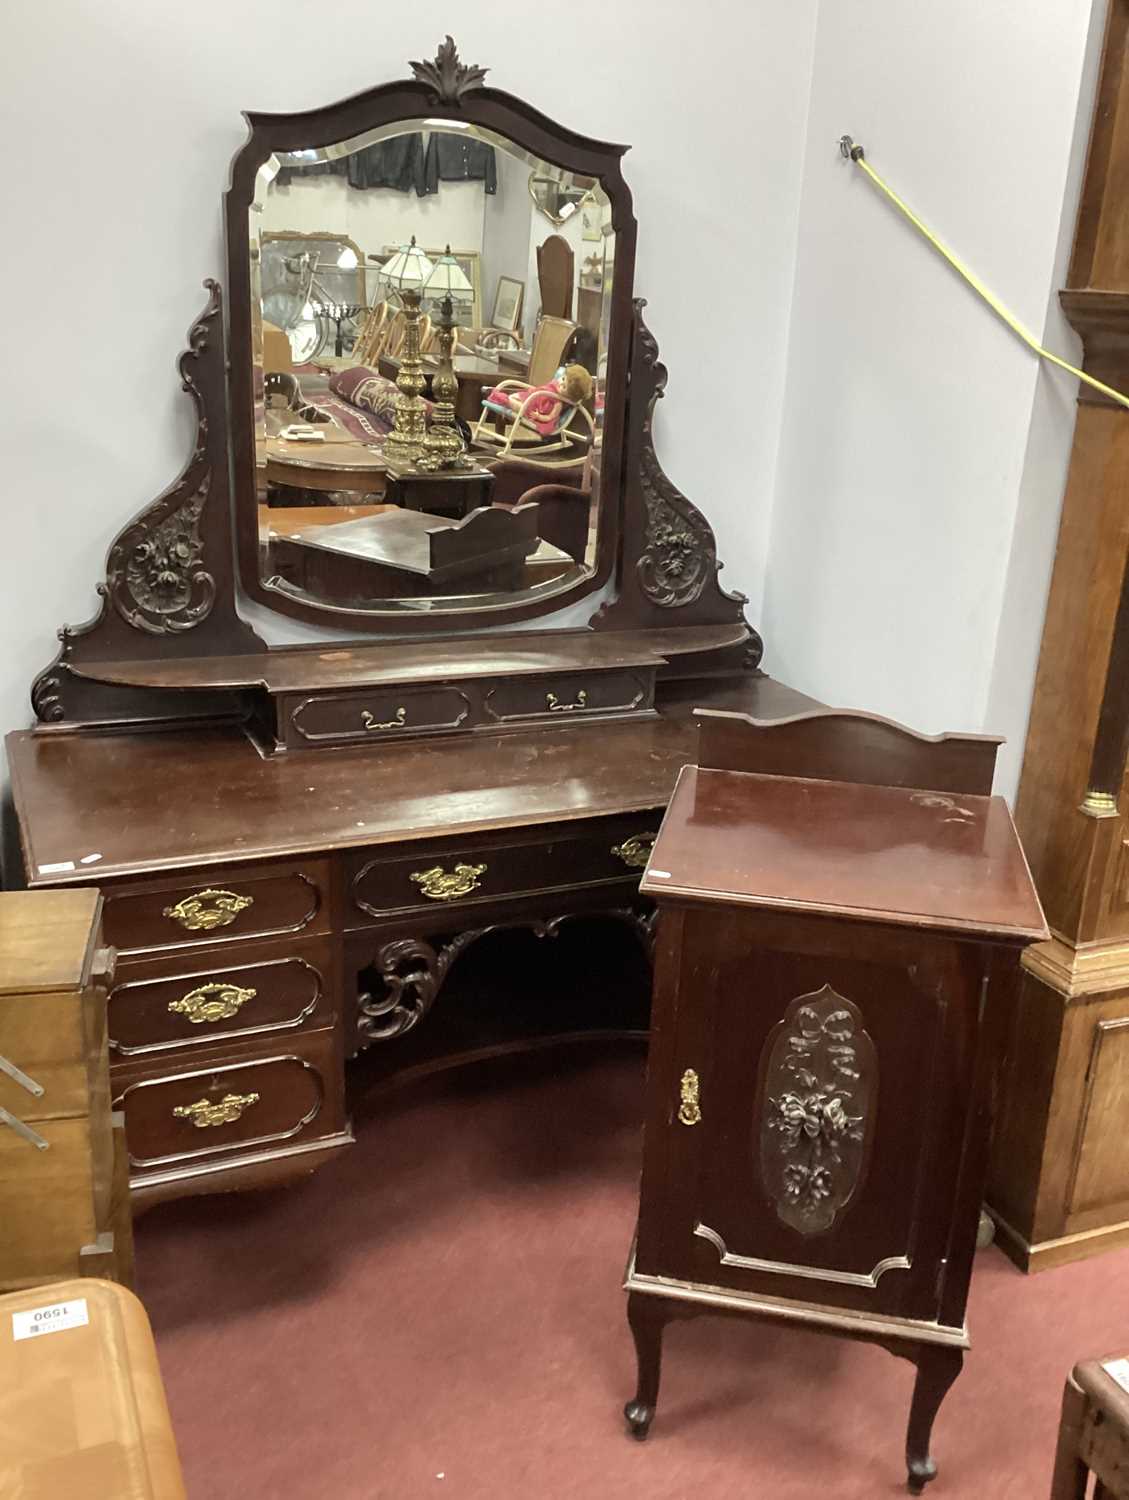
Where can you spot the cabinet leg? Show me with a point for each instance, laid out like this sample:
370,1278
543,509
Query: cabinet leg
647,1317
937,1368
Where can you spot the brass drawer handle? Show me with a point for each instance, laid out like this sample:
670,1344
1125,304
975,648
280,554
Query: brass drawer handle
212,1002
555,706
208,909
689,1108
439,885
635,851
399,722
205,1112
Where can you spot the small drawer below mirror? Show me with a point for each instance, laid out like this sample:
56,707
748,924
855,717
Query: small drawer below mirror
571,695
373,714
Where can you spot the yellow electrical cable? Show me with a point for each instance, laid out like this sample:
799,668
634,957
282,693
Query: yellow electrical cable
855,153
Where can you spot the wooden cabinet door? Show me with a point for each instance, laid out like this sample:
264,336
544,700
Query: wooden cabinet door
813,1151
1097,1190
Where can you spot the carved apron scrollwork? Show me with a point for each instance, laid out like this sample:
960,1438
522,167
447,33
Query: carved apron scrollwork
410,971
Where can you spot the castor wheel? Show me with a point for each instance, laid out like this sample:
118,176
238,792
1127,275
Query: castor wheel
639,1419
920,1473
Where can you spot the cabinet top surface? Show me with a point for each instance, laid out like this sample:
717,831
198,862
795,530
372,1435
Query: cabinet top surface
46,939
887,854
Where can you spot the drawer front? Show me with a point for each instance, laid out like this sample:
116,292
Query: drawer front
286,991
464,873
376,714
271,1101
570,696
218,906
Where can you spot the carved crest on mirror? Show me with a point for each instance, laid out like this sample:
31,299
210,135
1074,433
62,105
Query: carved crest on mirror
592,514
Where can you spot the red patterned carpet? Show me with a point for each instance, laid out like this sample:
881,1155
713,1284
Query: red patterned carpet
438,1313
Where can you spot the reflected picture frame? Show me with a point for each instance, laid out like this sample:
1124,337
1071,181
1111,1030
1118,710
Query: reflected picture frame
508,296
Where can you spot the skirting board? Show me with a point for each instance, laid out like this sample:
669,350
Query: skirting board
1060,1252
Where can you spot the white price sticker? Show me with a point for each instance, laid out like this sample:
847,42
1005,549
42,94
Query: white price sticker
1119,1369
40,1320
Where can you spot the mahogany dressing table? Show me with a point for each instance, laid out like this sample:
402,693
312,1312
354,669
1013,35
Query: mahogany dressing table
294,844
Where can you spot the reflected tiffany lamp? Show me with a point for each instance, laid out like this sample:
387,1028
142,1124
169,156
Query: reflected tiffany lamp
443,447
406,274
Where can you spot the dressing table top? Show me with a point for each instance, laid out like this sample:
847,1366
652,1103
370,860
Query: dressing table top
161,800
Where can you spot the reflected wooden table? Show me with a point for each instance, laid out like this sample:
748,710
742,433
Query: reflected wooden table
328,465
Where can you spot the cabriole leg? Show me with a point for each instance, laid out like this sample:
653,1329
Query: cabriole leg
937,1368
647,1317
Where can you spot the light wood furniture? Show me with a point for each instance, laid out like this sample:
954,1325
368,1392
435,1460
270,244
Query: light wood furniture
83,1414
555,276
833,961
1093,1437
372,335
277,358
547,350
63,1186
1059,1185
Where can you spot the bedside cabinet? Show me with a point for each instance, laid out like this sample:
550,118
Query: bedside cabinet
832,956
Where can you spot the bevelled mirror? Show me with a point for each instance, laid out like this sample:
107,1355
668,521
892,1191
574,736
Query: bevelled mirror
427,350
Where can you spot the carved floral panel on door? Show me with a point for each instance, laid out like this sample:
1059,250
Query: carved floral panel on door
819,1097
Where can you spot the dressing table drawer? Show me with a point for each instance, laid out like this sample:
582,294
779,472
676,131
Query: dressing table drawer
152,1010
259,1103
217,906
606,853
374,714
570,695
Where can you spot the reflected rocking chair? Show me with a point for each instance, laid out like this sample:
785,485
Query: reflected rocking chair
572,428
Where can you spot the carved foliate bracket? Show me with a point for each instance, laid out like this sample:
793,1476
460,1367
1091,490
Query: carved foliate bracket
448,77
670,560
169,573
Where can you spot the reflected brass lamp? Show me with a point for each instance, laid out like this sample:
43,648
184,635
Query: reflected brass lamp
406,274
443,448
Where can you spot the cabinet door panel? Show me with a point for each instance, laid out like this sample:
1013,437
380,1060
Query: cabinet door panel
1101,1169
826,1086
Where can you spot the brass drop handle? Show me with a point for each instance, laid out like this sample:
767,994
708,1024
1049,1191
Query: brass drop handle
212,1002
206,1112
635,851
398,722
438,884
209,909
555,706
689,1106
